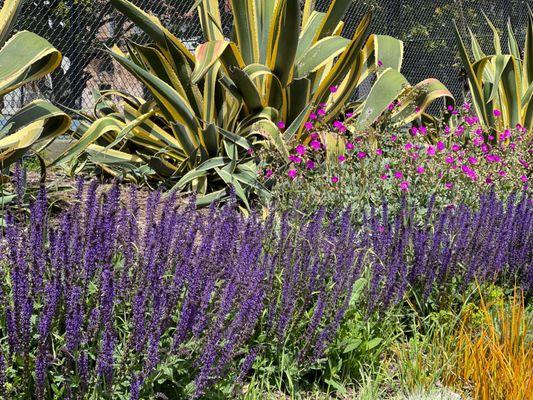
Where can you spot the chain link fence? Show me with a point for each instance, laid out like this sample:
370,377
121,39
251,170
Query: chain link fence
82,29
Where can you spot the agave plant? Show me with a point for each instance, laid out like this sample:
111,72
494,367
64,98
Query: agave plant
26,57
212,106
501,83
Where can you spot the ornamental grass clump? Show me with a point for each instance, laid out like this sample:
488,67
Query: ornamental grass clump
113,302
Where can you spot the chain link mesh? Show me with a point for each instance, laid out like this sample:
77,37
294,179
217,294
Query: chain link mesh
82,29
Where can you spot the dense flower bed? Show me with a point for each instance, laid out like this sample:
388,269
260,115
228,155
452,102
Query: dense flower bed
186,302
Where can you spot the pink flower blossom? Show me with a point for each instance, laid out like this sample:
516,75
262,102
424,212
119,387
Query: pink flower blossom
312,116
391,106
472,160
447,129
449,160
313,136
334,179
478,140
502,173
420,169
417,109
524,178
300,149
315,145
339,125
333,89
387,167
292,173
450,108
349,146
380,63
384,177
321,112
440,146
393,138
408,146
448,185
269,173
310,164
523,163
379,152
281,125
423,130
456,147
341,159
430,151
295,159
404,186
414,131
361,154
308,126
493,158
349,115
497,112
398,175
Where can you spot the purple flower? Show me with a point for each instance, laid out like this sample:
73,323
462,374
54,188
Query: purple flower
292,173
440,146
430,151
361,155
334,179
497,113
333,89
308,126
350,146
420,169
310,164
341,158
280,124
379,152
404,186
295,159
398,175
315,145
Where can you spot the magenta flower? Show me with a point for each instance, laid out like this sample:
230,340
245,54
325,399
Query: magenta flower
350,146
300,149
502,173
250,151
459,131
423,130
408,146
478,140
523,163
420,169
333,89
315,145
497,113
450,108
349,115
440,146
292,173
404,186
384,177
466,106
391,106
342,159
387,167
447,129
269,173
361,154
448,185
339,125
456,147
313,136
398,175
472,160
417,109
414,131
379,152
312,116
281,125
488,180
484,148
310,164
380,63
334,179
393,138
430,151
505,135
295,159
449,160
321,112
524,178
493,158
308,126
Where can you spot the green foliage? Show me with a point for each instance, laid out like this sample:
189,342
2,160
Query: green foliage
501,83
24,58
211,107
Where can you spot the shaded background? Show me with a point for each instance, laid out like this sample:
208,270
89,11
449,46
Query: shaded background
81,29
